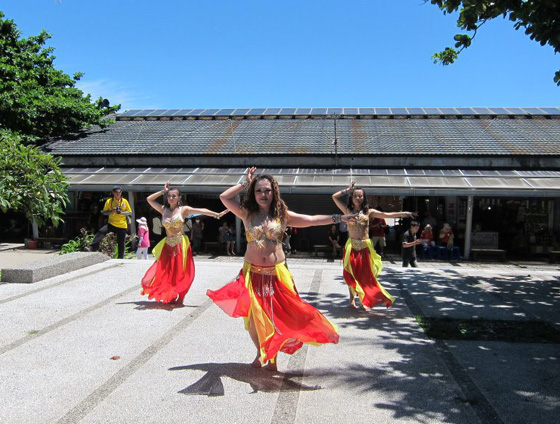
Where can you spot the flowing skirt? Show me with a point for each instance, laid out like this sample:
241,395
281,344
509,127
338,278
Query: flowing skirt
362,265
171,275
283,321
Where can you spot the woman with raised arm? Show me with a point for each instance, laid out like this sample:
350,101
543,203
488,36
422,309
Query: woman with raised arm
362,264
277,319
170,277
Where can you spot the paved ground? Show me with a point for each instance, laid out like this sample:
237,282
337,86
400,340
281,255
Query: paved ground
86,347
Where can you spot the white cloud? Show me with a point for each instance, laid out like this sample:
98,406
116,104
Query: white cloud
128,97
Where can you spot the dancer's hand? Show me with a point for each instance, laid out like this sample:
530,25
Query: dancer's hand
350,187
410,214
348,217
250,173
166,187
222,213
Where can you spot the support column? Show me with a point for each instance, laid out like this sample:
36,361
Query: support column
133,216
468,227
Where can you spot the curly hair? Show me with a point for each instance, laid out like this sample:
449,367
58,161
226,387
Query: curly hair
278,208
350,205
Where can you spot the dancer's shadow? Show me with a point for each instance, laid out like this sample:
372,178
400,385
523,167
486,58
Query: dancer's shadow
260,379
143,305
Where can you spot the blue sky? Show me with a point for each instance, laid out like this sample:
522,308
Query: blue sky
309,53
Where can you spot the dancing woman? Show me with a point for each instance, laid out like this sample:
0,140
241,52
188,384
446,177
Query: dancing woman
170,277
277,319
362,264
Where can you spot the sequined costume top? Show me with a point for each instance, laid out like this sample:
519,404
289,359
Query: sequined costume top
359,225
174,227
270,231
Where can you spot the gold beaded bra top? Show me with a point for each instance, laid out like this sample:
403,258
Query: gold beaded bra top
270,231
174,227
361,222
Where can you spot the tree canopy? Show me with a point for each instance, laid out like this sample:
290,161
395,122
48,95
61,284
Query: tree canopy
37,100
30,181
539,18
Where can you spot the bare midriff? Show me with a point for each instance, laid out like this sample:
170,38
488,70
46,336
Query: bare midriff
269,255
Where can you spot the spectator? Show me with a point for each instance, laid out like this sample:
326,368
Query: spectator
222,236
118,211
334,240
143,238
377,233
428,243
446,236
230,240
196,235
156,229
409,245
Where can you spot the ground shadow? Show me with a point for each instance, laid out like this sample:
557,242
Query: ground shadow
143,305
260,379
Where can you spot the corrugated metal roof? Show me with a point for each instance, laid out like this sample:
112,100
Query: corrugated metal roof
381,181
450,137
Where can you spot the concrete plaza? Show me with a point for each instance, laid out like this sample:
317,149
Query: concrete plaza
87,347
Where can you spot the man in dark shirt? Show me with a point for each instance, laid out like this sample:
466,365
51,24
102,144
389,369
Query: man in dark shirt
409,245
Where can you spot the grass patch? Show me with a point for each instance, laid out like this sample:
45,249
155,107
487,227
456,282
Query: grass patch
489,330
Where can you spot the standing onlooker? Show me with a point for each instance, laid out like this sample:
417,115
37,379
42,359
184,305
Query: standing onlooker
156,229
118,211
230,240
196,235
377,233
222,236
409,245
143,238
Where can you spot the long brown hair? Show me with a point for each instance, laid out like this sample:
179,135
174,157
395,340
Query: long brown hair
365,204
278,208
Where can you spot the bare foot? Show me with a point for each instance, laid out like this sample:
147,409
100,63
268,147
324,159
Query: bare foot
272,367
353,305
256,363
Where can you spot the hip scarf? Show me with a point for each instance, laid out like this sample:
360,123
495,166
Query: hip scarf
362,265
171,275
283,321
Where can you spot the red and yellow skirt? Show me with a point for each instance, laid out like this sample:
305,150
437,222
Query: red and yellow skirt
362,265
283,321
171,275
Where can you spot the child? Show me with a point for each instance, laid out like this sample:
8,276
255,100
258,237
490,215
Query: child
143,238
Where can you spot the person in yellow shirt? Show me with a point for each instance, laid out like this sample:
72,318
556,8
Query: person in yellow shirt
117,209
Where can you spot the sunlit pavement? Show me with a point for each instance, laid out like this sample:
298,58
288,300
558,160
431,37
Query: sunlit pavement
87,347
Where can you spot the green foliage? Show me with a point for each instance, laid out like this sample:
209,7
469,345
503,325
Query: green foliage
36,99
539,18
31,182
109,246
79,244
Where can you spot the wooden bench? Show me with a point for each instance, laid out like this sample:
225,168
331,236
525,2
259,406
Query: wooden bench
321,248
553,255
489,252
